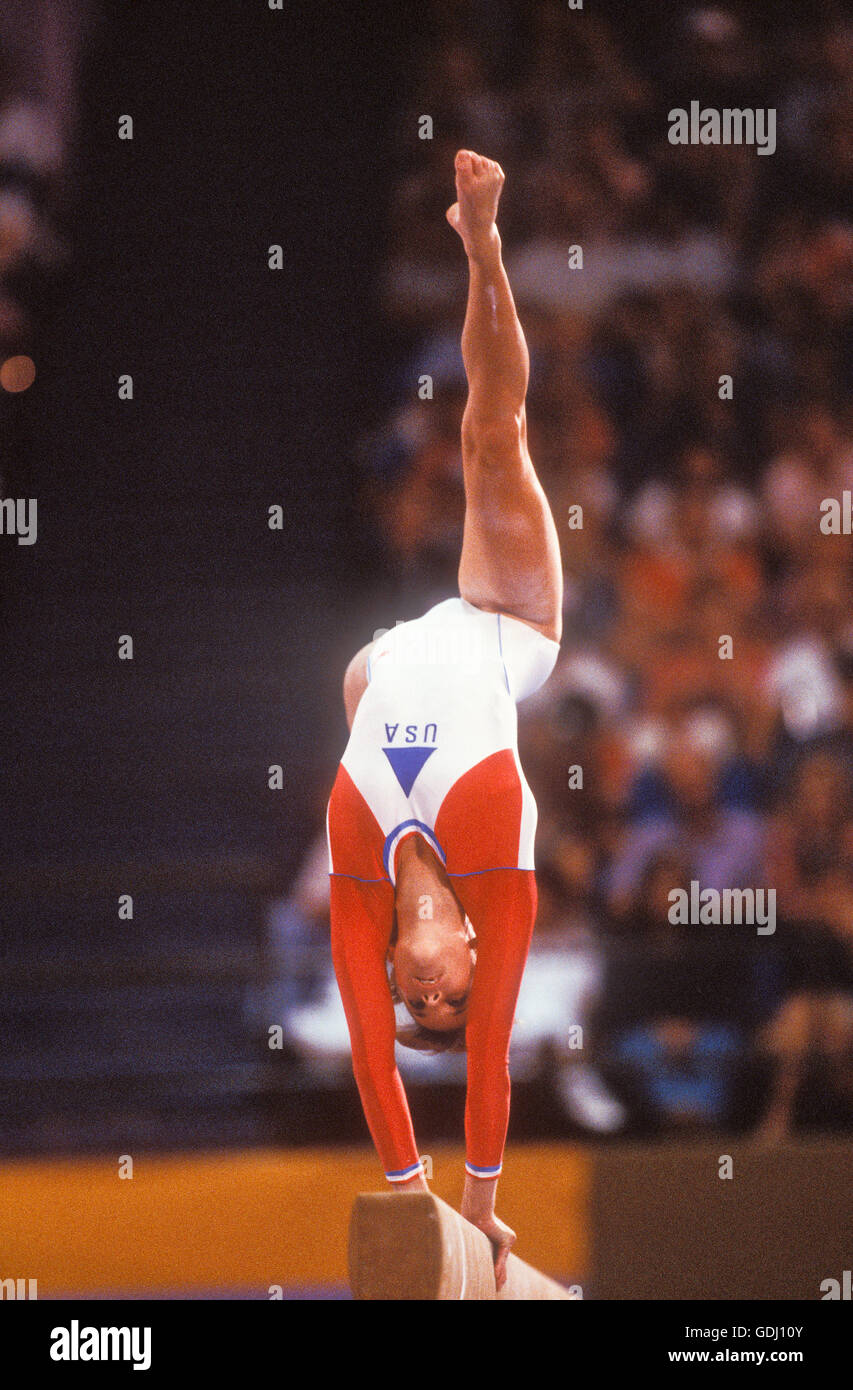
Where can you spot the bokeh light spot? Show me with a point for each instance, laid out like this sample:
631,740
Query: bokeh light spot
17,373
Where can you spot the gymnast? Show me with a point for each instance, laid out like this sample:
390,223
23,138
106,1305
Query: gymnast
430,821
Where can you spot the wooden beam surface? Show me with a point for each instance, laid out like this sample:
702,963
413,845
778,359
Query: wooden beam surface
413,1246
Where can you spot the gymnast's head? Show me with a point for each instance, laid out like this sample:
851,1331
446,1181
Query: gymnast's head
432,954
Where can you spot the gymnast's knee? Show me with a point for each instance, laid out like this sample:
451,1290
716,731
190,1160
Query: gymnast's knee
495,443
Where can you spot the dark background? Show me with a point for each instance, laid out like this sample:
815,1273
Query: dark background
251,128
254,388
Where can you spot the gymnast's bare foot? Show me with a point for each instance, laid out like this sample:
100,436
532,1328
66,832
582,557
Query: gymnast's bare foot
478,189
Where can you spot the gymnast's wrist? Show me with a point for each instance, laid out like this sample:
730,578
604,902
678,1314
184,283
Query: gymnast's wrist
478,1200
416,1183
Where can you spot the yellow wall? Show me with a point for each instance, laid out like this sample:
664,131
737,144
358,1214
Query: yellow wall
248,1220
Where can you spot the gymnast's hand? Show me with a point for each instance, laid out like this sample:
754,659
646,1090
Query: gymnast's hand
478,1207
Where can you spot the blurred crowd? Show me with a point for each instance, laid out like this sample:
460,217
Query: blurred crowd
41,43
689,412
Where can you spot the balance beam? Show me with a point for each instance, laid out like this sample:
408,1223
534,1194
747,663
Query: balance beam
414,1246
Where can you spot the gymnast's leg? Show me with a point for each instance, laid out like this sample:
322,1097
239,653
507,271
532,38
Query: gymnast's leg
510,559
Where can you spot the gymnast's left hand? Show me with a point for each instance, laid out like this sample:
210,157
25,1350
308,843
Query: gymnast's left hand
478,1207
503,1239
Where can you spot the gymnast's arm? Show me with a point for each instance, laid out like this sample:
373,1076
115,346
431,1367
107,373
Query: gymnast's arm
361,918
505,926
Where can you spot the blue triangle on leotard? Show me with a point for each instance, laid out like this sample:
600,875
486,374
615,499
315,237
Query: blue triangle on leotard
407,763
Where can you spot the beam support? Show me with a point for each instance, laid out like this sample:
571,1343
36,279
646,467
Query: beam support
414,1246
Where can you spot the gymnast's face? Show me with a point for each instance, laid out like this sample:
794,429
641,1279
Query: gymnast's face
434,970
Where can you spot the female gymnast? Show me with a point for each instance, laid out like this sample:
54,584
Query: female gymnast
430,821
